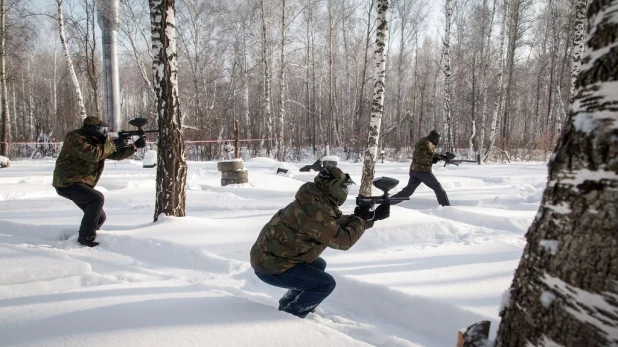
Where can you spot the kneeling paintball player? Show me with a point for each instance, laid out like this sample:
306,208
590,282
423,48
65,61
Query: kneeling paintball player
287,251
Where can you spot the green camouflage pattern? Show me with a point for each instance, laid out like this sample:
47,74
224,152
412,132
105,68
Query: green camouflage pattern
424,151
81,159
301,231
92,121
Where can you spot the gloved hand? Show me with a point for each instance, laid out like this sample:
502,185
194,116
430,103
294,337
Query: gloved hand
120,142
363,212
140,143
382,212
435,159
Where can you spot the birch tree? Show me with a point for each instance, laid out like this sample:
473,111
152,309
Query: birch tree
5,133
493,130
486,58
172,167
378,97
280,140
267,79
448,136
67,54
579,25
564,291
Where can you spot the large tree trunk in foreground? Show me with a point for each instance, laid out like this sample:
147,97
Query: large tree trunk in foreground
171,167
565,291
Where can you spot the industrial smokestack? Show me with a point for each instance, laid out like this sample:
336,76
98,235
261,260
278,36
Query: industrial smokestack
108,22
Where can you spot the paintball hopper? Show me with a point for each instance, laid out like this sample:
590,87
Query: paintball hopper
385,183
138,122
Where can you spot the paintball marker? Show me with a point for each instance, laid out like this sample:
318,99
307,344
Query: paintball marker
384,184
139,123
449,158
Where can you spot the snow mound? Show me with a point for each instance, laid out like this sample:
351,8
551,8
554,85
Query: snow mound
262,160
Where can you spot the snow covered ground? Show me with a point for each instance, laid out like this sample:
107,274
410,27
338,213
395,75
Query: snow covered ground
412,280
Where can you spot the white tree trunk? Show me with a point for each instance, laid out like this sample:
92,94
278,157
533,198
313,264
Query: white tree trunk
280,140
267,82
67,53
245,71
447,135
5,131
500,97
378,97
485,78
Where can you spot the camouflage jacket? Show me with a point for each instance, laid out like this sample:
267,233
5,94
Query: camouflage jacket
424,150
81,159
301,231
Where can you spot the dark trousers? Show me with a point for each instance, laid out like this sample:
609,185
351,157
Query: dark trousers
427,178
308,285
91,202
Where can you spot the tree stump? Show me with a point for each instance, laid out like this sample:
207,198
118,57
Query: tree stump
232,172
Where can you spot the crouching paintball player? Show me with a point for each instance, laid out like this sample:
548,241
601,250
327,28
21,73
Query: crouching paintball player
79,167
287,251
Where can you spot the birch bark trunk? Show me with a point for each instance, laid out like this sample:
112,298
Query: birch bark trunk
564,291
5,131
499,98
280,140
579,27
267,83
171,162
378,97
484,81
67,54
447,135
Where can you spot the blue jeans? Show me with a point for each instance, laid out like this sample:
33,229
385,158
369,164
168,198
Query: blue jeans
308,285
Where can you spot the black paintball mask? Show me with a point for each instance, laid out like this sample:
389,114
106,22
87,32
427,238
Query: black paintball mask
99,131
96,128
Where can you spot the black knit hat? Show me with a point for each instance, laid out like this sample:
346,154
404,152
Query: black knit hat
434,137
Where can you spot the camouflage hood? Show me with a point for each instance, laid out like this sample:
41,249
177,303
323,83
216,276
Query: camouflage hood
334,182
300,232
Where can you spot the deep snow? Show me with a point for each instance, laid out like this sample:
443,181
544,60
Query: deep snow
414,279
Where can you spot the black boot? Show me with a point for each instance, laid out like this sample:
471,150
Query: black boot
87,241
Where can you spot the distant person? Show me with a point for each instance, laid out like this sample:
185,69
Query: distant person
420,170
287,251
79,167
228,151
